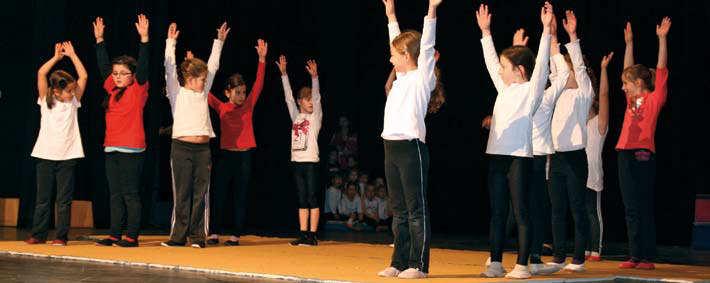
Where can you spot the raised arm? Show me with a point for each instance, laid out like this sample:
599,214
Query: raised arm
604,95
262,48
171,79
312,69
42,84
575,53
540,73
101,54
288,93
213,61
662,32
142,70
426,61
490,55
82,76
629,51
392,24
559,70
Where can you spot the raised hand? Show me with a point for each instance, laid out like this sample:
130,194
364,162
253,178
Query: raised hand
142,27
282,64
553,27
262,47
434,3
519,38
189,55
546,15
483,17
58,51
389,10
312,68
99,29
606,59
628,33
68,49
222,31
570,24
664,27
173,32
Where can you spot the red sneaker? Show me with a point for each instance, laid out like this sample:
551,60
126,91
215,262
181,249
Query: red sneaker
33,241
646,265
594,258
629,264
59,242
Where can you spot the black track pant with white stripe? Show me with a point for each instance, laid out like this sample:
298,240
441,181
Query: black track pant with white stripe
406,169
190,164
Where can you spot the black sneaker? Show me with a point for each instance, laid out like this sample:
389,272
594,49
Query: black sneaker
127,243
108,241
310,240
300,240
198,244
231,243
172,244
213,241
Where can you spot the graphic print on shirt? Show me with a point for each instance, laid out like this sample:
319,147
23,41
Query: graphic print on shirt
300,135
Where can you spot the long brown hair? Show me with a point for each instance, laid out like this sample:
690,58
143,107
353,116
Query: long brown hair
640,72
58,81
409,41
519,55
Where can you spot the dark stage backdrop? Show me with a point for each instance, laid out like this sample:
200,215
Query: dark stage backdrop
349,39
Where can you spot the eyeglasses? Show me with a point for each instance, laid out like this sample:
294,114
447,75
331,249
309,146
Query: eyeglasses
117,74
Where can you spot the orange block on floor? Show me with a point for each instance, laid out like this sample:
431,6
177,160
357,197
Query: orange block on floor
82,215
9,209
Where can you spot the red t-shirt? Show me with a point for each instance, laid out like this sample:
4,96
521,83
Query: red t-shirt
236,121
124,118
641,116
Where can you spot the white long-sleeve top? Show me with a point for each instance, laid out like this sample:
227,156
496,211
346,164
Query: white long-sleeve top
408,99
511,124
332,200
306,127
191,114
541,134
569,121
348,206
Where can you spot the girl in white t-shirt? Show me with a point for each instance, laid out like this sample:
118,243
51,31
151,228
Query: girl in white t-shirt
370,205
597,127
58,145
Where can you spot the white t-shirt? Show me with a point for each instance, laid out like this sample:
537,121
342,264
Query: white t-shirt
59,137
595,146
332,200
306,127
372,206
348,206
383,208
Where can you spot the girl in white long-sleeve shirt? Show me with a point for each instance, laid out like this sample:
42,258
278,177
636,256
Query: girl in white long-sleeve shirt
510,140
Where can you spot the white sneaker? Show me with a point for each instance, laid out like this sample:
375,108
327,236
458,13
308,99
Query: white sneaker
411,273
549,268
488,261
535,268
575,267
391,245
493,270
519,272
389,272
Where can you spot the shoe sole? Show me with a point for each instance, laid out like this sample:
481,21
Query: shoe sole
169,246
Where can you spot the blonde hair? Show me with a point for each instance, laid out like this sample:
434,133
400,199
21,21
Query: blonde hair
304,93
640,72
192,68
408,42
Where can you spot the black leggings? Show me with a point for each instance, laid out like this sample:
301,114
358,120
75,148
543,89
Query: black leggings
637,175
508,182
306,176
568,175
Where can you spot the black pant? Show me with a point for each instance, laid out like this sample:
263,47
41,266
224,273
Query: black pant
537,200
233,172
190,164
123,172
637,177
406,170
596,225
568,175
49,172
306,176
508,182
